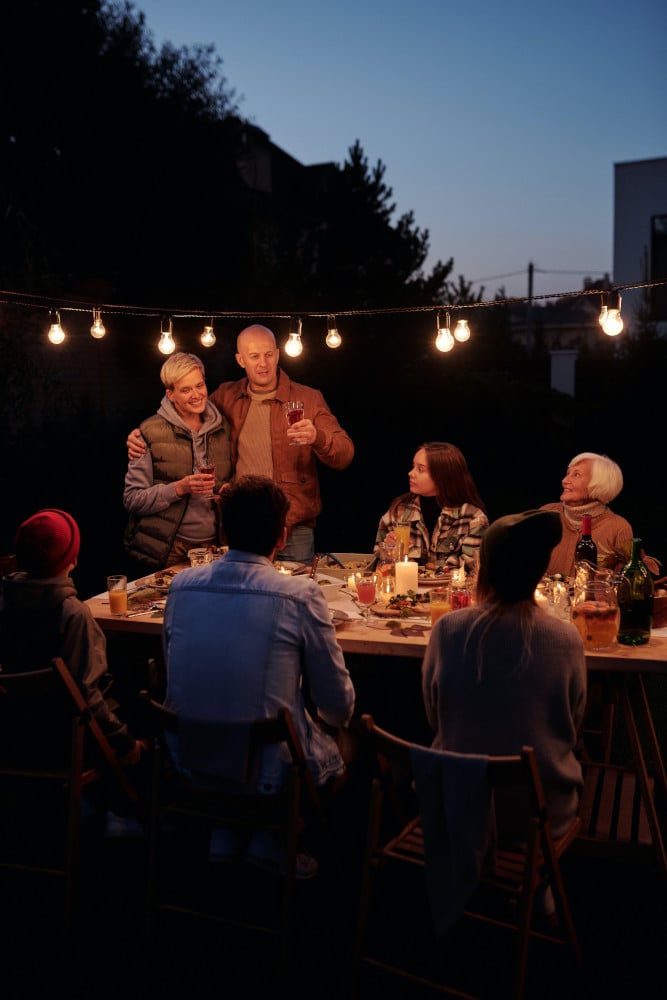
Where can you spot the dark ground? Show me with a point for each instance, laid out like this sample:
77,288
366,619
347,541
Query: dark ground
619,909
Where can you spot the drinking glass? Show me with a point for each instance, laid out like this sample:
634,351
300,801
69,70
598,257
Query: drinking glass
440,599
366,584
117,588
206,468
199,557
402,533
293,413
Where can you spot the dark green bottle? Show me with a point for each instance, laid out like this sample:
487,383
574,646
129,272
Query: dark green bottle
635,599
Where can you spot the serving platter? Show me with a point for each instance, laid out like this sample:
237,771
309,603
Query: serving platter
433,580
418,611
159,581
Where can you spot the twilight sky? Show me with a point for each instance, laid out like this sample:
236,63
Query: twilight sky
499,123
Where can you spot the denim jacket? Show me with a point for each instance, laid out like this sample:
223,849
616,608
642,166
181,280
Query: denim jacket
243,640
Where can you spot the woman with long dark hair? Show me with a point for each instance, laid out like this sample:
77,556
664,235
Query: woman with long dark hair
443,509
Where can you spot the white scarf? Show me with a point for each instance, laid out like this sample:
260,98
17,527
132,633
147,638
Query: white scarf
572,515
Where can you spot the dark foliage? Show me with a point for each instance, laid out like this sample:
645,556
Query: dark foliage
128,175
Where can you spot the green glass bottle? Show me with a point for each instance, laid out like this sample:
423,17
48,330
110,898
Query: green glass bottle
635,599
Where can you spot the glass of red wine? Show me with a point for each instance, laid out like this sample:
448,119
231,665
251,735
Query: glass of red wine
205,467
366,584
293,413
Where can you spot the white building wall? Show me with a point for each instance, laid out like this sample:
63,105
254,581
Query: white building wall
640,192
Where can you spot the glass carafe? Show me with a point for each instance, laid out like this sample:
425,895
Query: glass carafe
595,610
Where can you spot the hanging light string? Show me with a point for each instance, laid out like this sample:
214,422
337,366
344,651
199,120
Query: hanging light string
33,302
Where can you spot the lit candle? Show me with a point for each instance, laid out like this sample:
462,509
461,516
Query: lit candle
407,576
351,585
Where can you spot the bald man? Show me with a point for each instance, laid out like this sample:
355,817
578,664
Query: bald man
262,443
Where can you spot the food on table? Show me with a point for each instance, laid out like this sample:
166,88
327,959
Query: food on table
405,606
162,578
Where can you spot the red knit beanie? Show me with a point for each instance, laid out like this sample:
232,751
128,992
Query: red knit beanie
47,543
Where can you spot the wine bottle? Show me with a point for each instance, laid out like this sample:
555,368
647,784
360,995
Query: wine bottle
586,550
635,599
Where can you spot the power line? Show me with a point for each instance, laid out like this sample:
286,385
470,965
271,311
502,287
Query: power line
537,270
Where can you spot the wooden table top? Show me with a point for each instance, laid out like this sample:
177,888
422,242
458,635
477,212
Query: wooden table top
392,638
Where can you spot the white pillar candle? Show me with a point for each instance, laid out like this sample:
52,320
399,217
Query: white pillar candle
351,584
407,576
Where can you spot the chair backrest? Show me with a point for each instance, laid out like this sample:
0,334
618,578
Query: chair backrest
44,720
489,830
513,781
205,797
248,738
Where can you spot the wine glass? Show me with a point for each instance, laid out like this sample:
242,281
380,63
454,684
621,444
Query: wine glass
293,413
366,584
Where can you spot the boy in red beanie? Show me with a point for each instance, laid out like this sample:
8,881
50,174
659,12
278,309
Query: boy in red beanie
42,617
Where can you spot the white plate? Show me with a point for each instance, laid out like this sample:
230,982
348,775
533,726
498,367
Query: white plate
338,616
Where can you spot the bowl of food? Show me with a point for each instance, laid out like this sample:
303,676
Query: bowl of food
330,563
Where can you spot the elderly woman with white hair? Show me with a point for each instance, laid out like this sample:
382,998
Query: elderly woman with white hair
591,482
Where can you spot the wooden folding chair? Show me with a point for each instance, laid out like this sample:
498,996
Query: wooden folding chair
515,865
50,741
204,801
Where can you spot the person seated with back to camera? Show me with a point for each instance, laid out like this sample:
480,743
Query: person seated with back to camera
41,617
591,482
505,673
242,641
446,514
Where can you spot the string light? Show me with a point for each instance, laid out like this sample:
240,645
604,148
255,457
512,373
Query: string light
611,322
98,329
208,336
609,318
444,340
56,333
462,331
603,309
334,338
293,346
167,344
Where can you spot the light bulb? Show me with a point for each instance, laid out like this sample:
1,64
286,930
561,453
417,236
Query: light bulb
97,330
462,331
167,344
293,347
612,324
444,340
334,339
208,336
56,333
603,315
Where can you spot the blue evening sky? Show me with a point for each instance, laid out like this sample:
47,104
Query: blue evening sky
499,123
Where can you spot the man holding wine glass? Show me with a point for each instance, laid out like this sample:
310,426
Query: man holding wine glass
262,440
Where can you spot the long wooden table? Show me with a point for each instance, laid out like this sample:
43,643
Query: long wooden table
618,670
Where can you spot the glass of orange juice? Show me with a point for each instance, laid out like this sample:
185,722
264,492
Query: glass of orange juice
117,588
402,533
440,599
